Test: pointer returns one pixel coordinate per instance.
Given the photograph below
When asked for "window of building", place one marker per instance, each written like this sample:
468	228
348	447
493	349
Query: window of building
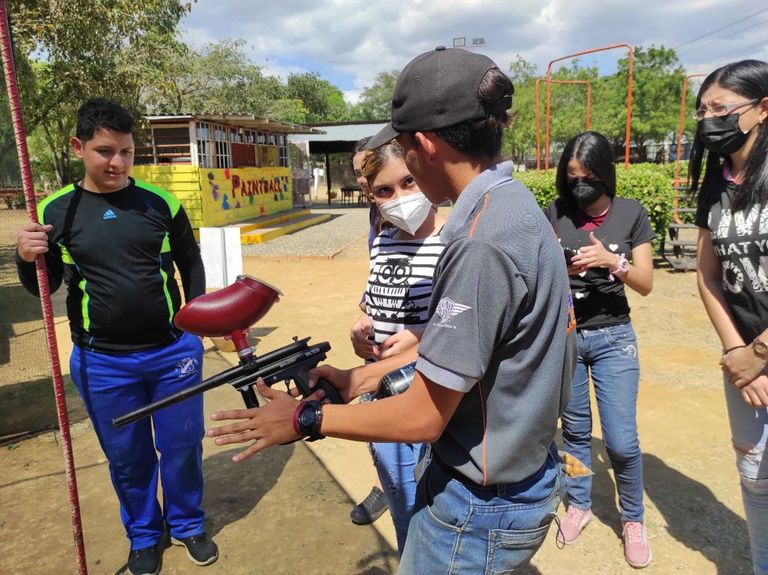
222	151
282	151
204	145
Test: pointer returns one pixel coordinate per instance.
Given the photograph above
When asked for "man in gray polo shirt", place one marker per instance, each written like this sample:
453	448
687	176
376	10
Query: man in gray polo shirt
496	359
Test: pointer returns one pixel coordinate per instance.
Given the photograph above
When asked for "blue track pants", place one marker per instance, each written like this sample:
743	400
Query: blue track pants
114	384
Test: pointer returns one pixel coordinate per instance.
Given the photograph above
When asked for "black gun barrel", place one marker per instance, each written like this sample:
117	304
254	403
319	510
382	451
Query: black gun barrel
210	383
238	376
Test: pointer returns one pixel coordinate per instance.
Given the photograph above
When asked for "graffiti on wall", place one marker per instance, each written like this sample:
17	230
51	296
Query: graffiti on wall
234	195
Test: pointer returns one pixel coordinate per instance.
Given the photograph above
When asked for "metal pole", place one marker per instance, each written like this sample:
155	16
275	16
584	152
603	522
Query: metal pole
629	95
538	126
14	102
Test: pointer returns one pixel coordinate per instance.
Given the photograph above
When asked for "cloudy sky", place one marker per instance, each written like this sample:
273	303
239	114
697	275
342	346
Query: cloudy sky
350	41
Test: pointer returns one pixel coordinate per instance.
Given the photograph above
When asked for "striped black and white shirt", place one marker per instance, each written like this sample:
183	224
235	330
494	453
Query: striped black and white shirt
400	282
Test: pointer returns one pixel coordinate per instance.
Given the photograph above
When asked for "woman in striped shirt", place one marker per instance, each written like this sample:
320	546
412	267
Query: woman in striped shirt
403	259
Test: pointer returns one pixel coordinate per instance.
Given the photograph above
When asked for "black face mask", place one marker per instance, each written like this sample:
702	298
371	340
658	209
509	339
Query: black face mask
722	134
587	192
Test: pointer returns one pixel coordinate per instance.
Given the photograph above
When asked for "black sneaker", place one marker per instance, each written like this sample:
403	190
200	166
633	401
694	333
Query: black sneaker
145	561
370	509
201	549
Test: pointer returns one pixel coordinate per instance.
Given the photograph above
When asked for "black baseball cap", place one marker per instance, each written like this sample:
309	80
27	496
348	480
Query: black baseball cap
436	90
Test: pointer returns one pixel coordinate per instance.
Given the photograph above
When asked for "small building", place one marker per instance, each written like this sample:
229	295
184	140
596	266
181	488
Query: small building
225	168
336	138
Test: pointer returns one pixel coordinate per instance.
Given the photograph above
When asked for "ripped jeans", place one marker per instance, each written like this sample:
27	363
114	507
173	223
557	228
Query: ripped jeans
609	356
749	430
395	463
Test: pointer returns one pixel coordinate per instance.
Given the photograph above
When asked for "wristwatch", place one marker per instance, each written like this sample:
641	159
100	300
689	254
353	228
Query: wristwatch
760	348
308	418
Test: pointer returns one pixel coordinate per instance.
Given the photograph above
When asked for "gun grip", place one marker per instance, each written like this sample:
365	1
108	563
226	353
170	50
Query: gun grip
331	393
249	397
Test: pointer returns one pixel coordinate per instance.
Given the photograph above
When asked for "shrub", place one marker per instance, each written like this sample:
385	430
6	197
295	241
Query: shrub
649	184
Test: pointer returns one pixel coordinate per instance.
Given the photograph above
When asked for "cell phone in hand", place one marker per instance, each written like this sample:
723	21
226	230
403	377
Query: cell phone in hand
569	253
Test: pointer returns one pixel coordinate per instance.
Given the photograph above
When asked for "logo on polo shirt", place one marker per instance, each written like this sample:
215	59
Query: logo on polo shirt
109	215
448	309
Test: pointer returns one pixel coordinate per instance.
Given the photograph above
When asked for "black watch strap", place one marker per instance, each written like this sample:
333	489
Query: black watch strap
310	419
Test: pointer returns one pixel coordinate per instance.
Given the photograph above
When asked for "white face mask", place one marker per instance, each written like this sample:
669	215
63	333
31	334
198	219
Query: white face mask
407	212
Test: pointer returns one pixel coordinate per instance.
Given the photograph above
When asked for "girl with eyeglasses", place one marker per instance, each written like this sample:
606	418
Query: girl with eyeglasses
608	240
732	215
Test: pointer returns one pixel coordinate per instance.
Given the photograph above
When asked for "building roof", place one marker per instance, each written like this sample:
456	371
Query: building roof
338	137
239	120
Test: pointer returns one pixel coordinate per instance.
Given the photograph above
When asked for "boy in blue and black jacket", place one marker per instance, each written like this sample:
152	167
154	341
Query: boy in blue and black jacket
114	241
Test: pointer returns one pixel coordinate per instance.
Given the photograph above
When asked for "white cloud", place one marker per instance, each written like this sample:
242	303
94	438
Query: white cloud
350	41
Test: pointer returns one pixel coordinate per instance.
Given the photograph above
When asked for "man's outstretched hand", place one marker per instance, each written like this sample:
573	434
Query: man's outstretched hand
266	426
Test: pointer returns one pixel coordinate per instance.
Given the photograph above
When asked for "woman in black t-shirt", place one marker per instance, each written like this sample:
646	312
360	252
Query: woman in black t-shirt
732	114
600	234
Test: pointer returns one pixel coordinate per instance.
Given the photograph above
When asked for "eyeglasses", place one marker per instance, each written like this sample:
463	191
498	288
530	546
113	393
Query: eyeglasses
721	109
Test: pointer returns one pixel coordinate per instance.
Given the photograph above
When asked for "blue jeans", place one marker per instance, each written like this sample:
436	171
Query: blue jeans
395	463
749	430
114	384
462	528
609	355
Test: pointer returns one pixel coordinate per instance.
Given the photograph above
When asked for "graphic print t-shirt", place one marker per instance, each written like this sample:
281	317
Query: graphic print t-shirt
740	240
400	282
598	297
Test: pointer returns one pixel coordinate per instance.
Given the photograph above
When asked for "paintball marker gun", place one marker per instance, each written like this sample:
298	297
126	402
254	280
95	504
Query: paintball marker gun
229	312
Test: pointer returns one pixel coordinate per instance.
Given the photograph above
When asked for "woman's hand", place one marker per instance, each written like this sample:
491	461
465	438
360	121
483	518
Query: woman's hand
361	331
595	255
755	393
574	269
399	342
269	425
742	366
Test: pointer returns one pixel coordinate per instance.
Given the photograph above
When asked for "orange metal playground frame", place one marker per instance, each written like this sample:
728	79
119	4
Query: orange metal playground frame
631	51
538	113
676	182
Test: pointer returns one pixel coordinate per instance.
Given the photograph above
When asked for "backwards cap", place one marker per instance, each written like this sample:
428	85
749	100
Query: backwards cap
436	90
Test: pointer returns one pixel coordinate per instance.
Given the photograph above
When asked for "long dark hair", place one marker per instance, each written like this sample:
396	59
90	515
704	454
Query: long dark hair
748	78
593	151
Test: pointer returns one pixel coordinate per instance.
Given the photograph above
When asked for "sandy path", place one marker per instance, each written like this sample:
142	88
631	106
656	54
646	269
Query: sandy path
286	511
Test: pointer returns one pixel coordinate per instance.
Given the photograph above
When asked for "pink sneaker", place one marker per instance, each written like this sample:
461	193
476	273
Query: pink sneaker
574	522
637	551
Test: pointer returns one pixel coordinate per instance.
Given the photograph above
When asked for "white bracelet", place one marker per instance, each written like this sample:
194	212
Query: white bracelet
622	267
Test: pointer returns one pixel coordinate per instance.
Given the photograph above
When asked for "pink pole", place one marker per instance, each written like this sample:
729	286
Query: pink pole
42	278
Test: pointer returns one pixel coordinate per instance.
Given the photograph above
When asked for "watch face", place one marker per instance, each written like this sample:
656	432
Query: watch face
307	417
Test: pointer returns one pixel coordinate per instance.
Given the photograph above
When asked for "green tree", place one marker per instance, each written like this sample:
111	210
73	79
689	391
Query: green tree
376	100
67	51
520	139
656	93
218	80
324	101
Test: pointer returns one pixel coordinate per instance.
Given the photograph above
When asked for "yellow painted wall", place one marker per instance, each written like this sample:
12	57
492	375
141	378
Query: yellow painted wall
216	197
238	194
182	181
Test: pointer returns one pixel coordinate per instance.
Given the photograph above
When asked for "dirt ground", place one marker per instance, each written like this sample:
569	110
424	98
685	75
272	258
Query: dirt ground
287	510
